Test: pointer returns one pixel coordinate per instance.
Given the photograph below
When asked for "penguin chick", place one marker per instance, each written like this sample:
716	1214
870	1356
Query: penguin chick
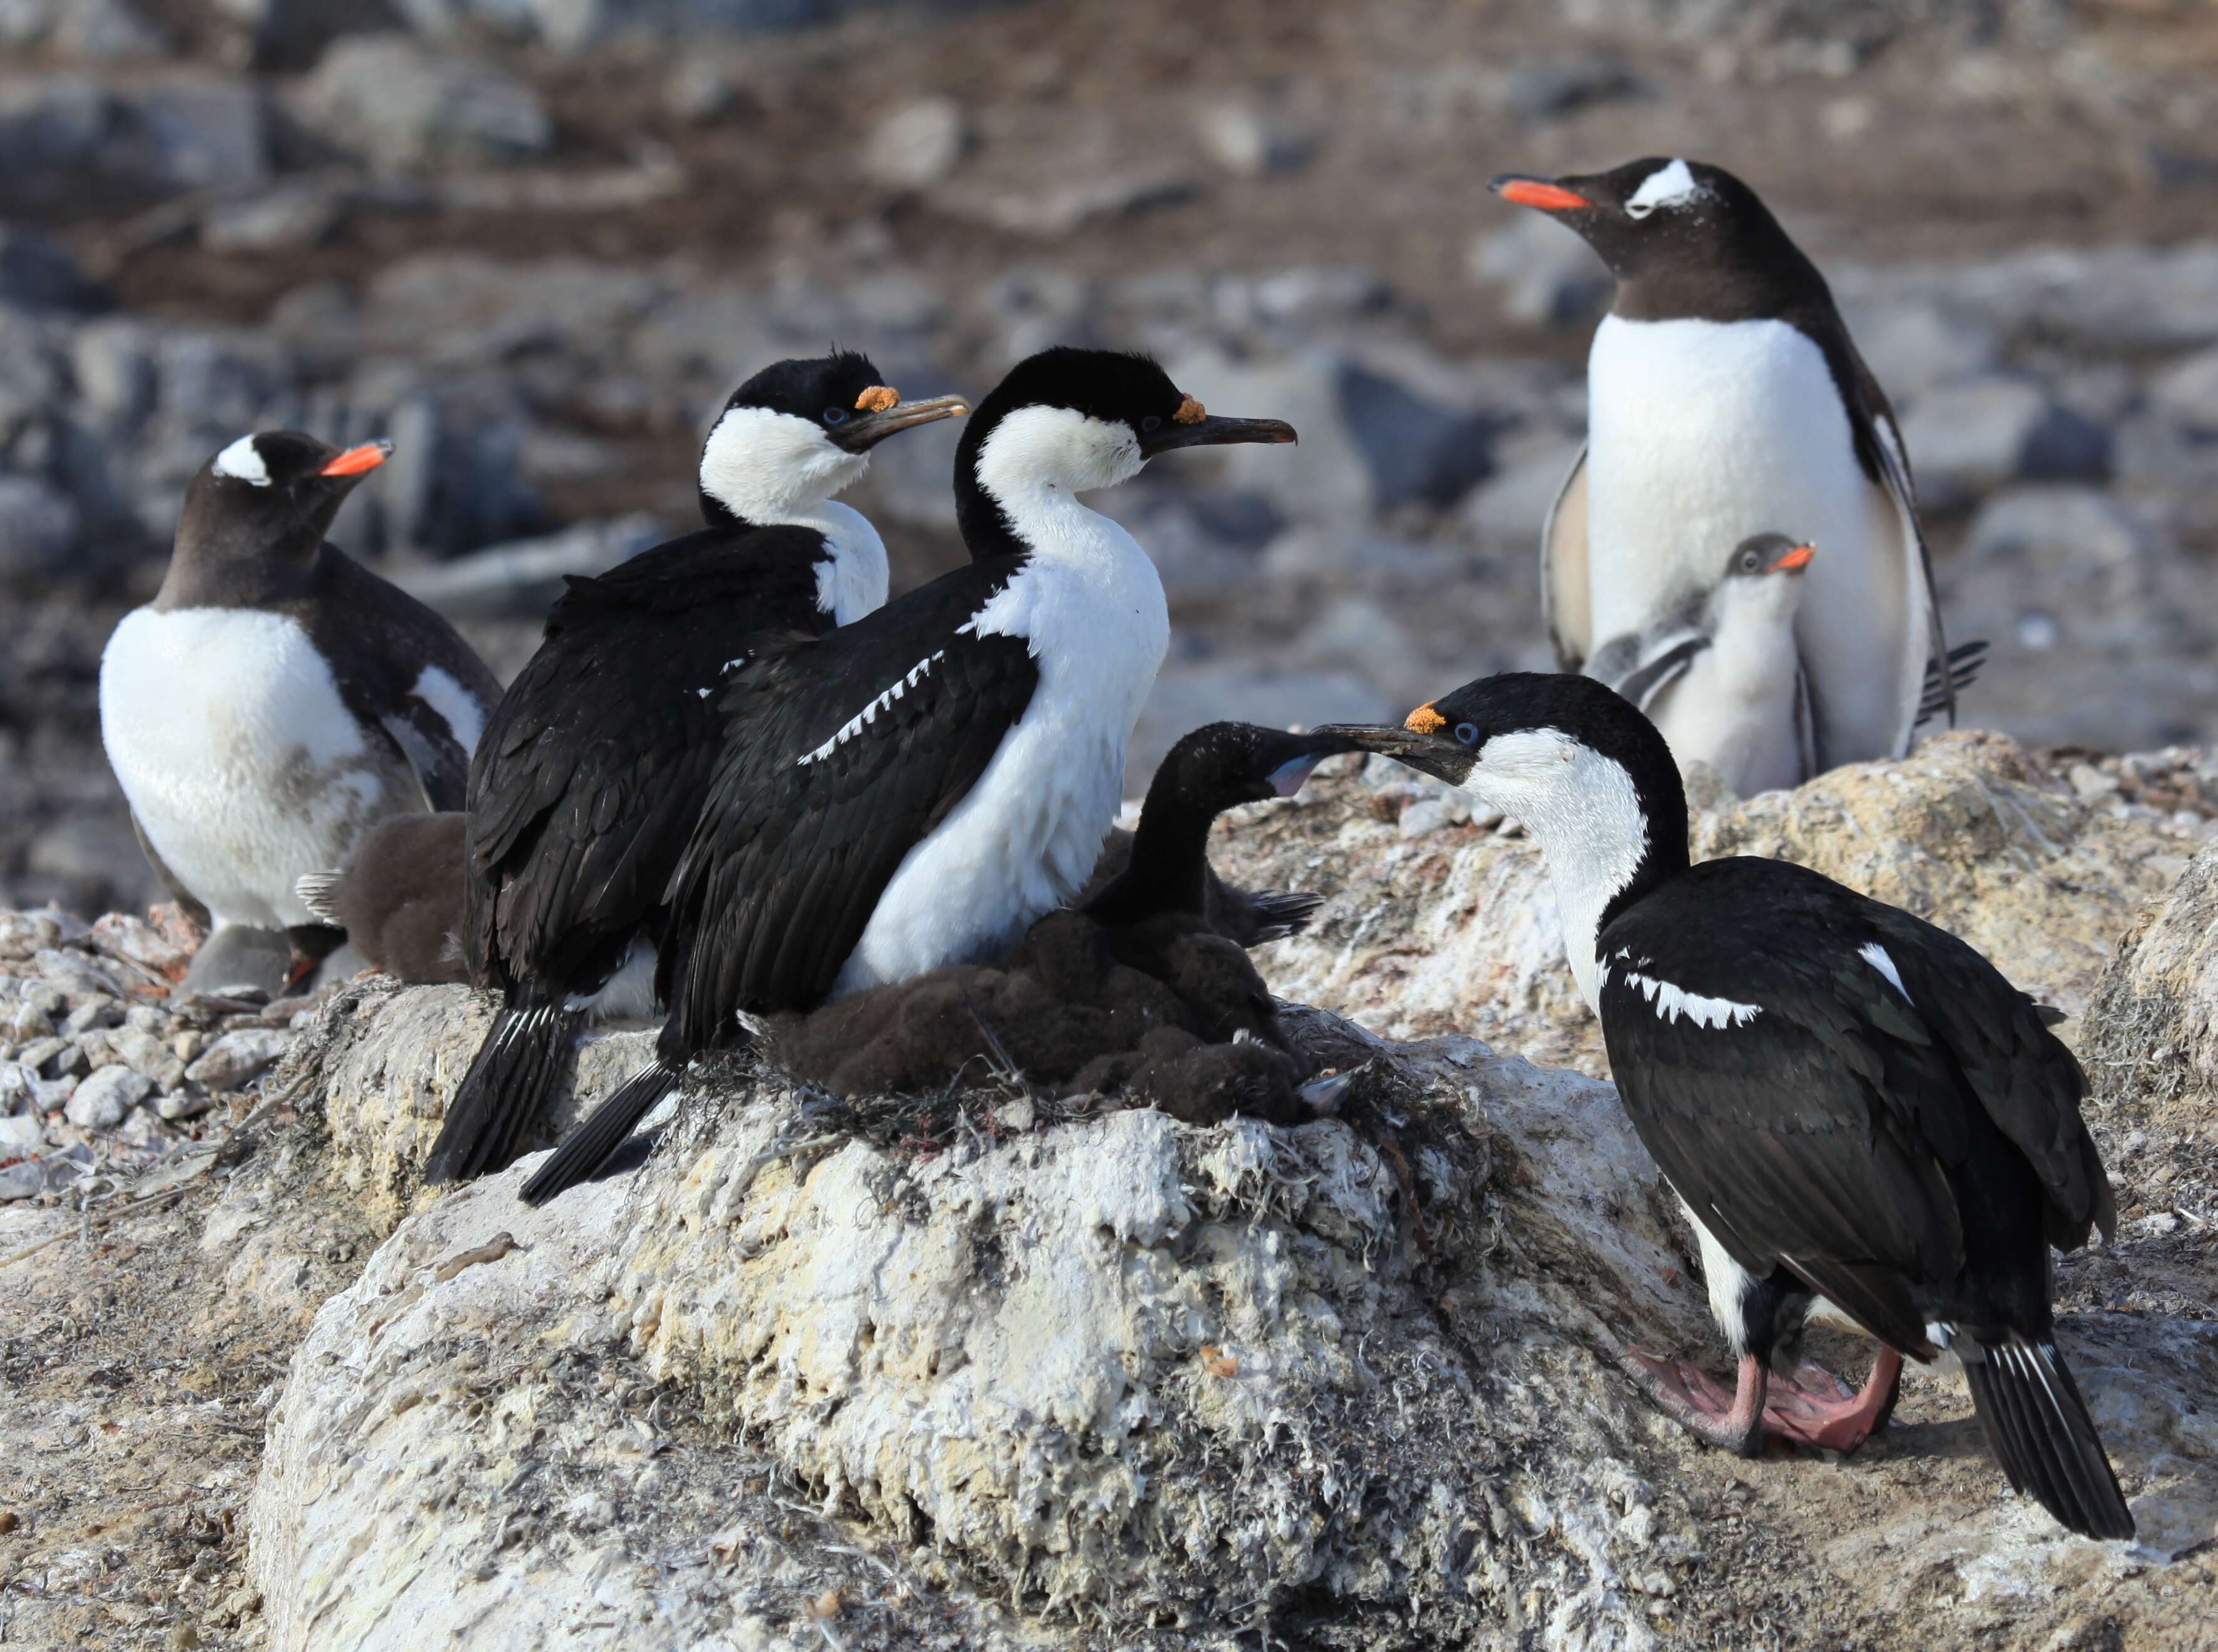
399	899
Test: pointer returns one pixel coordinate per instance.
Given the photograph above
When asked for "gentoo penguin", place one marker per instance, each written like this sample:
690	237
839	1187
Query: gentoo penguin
399	899
1165	869
1862	1117
275	699
598	758
1724	398
1720	676
913	789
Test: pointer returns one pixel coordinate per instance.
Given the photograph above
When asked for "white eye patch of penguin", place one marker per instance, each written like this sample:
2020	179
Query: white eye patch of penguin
242	463
1667	186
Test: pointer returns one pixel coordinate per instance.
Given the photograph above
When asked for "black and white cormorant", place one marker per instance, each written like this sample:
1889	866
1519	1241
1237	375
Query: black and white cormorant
1726	398
1861	1115
597	760
913	789
276	699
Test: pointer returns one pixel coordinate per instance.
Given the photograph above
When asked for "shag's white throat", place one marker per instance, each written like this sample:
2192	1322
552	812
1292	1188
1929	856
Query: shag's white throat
1585	813
775	469
242	463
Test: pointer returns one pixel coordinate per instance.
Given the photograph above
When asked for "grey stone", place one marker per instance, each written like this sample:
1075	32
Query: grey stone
2188	393
286	218
1548	276
700	90
23	1180
290	33
238	1058
199	132
1430	814
101	1101
402	104
38	530
183	1103
17	1079
21	1133
1511	507
1912	346
1967	439
917	147
2079	525
1543	89
521	578
37	272
1417	452
96	1010
1056	210
113	360
1252	142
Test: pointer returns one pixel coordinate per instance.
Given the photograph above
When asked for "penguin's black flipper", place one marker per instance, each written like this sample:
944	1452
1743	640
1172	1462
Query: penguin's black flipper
507	1089
1965	661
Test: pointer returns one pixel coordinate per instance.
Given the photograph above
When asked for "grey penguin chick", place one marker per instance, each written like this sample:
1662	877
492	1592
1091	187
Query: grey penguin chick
399	899
1722	676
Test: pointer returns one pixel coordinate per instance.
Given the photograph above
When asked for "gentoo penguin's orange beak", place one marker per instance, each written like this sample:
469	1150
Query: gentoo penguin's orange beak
1538	192
357	461
1795	560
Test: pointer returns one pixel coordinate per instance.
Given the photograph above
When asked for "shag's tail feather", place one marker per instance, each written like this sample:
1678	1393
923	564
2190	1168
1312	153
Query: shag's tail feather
505	1091
2038	1426
1281	912
316	890
594	1141
1964	662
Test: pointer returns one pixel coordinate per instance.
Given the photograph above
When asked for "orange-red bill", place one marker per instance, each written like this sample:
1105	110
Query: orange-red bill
1798	558
1547	197
354	460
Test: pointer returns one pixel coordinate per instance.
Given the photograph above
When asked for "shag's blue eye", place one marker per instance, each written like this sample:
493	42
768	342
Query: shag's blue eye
1150	423
835	416
1467	733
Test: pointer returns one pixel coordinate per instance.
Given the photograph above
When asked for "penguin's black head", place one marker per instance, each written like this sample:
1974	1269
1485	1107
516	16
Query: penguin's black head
1762	553
275	492
1652	216
799	431
1221	765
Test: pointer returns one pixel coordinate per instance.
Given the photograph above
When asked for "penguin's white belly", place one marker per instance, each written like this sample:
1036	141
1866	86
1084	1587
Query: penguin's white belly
1702	433
245	767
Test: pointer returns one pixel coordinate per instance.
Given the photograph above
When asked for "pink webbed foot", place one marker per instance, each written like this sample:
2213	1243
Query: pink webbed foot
1731	1420
1815	1407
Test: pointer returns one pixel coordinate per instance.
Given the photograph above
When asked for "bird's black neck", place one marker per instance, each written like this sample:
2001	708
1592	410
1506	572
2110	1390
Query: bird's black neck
1169	870
717	514
986	530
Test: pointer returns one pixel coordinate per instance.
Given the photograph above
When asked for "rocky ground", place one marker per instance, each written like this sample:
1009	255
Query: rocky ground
536	242
900	1372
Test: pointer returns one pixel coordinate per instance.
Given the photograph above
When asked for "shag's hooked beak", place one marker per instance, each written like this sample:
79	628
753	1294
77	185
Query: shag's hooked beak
358	460
866	429
1795	560
1543	194
1211	431
1441	756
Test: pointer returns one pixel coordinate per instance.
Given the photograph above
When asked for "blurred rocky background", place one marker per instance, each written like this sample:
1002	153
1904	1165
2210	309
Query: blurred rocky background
535	242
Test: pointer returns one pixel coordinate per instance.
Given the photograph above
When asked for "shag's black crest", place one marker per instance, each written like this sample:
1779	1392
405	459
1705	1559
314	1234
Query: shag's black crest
1104	383
806	386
